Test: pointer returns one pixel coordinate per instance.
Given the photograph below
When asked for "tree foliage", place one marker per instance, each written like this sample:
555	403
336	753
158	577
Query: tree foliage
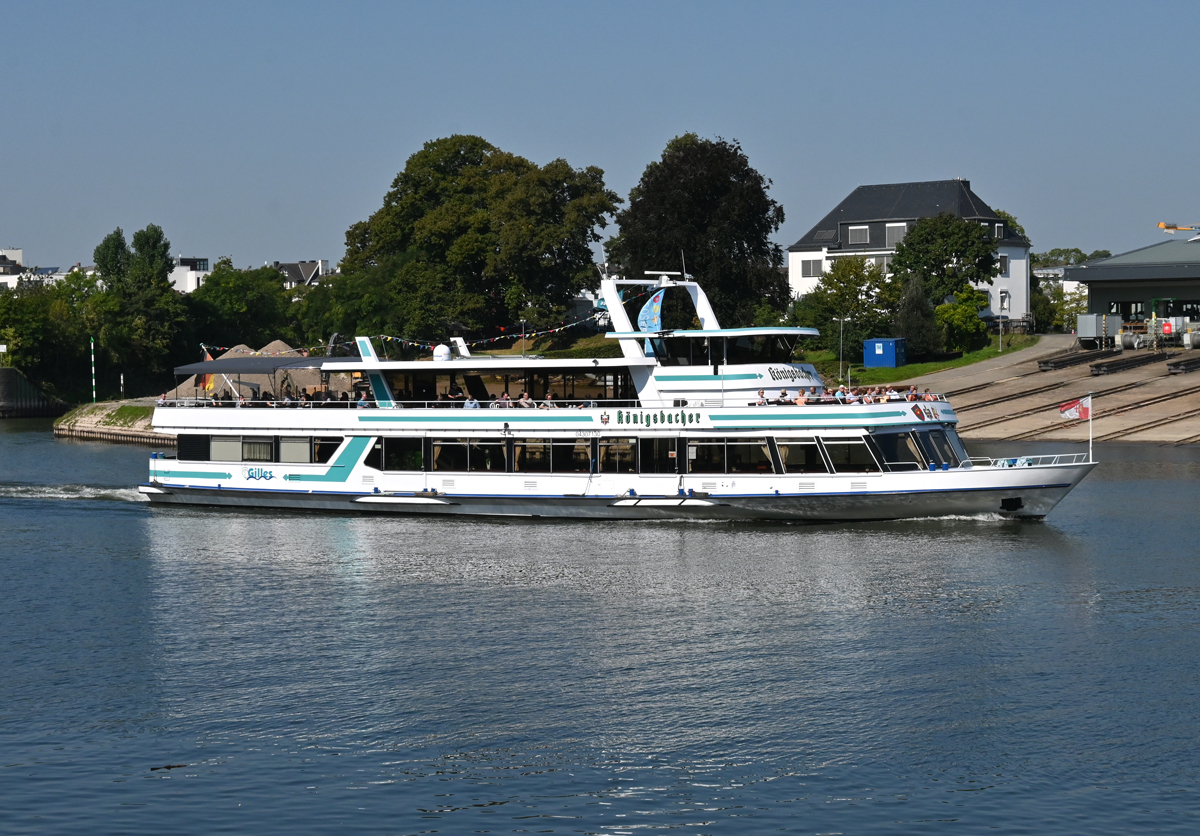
960	322
704	202
855	290
242	306
494	236
949	253
1065	257
916	320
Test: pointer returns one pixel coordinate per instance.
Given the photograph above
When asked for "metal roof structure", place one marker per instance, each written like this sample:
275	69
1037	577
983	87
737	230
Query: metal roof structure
1167	260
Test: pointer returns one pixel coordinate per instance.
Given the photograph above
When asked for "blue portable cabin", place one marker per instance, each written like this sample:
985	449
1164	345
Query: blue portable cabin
885	353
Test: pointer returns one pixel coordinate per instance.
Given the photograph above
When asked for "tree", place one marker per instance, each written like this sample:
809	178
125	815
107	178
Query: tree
916	320
1012	222
703	202
241	306
855	290
1065	257
504	237
960	321
949	253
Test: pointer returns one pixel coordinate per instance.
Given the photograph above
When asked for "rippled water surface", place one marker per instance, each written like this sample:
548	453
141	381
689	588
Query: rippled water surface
192	672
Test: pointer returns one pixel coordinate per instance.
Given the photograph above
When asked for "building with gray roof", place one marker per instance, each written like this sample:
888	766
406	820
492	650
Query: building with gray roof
1161	279
872	220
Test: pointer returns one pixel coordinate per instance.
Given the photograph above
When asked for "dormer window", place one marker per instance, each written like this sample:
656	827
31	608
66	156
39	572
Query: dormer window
894	234
860	235
999	230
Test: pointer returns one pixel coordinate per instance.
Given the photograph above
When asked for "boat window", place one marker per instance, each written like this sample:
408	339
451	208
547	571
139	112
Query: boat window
657	455
571	455
943	447
374	457
226	448
801	455
258	449
748	455
192	448
324	448
768	348
402	454
532	455
706	455
900	451
487	455
850	455
450	454
295	450
618	455
957	444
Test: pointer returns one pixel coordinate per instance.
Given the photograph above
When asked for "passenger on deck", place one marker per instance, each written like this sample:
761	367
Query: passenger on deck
505	400
784	399
549	402
812	397
912	394
470	402
762	398
840	394
362	401
929	396
892	394
526	402
162	399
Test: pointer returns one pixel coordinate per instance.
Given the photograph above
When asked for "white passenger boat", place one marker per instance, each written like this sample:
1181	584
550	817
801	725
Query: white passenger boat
671	429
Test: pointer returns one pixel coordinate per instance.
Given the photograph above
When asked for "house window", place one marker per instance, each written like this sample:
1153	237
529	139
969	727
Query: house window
860	235
894	234
999	230
1005	301
1003	265
810	269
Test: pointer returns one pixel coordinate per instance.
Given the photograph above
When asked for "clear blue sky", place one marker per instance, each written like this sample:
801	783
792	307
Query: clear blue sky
263	130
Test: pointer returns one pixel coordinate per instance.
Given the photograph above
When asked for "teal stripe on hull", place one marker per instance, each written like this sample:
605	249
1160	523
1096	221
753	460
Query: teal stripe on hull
339	471
693	377
187	474
476	419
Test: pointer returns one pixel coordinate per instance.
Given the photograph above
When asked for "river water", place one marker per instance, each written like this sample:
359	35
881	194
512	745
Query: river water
197	672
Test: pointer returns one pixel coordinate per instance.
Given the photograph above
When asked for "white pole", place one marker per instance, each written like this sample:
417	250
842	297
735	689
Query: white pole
1090	427
93	339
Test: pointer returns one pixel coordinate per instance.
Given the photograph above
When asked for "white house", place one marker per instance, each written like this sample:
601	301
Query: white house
872	220
189	273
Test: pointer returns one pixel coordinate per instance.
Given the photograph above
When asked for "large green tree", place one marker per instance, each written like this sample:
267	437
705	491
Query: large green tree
949	253
502	237
241	306
1066	256
916	320
857	291
704	203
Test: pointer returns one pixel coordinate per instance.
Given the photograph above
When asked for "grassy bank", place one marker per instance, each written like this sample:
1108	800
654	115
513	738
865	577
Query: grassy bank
827	363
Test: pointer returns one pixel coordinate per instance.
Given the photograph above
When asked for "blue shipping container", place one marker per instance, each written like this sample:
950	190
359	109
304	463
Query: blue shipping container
885	354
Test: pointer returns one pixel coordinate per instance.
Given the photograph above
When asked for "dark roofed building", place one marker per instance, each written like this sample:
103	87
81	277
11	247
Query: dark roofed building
302	272
1161	279
872	220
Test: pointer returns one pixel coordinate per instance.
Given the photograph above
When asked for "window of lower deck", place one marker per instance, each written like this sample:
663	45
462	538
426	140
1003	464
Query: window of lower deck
618	455
849	455
657	455
192	448
571	455
295	450
476	455
943	447
226	448
324	448
801	455
729	455
900	451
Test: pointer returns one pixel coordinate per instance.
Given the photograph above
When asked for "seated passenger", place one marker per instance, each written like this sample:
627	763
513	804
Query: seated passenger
505	401
892	394
929	396
912	394
526	402
549	402
470	402
812	397
162	400
762	398
840	394
783	399
362	401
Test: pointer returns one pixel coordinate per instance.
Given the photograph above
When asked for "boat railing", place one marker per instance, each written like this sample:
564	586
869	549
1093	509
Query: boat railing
461	403
1030	461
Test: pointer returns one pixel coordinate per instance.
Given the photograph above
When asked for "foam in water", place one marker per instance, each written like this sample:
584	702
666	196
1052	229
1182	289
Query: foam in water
111	494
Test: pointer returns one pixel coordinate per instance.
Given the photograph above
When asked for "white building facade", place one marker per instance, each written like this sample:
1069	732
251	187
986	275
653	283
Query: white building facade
873	220
189	273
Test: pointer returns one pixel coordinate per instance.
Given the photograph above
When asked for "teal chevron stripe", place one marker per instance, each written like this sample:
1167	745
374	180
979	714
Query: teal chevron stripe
339	471
476	419
696	377
188	474
857	417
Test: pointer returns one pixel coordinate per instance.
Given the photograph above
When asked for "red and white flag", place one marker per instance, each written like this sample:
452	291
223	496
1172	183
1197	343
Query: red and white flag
1080	410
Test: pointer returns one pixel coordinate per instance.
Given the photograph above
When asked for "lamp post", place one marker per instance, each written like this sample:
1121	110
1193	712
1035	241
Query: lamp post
522	339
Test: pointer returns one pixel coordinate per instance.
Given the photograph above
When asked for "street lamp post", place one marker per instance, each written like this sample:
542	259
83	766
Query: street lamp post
841	333
522	339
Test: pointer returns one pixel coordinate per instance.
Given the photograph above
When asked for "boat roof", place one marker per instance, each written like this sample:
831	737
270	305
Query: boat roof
716	332
250	364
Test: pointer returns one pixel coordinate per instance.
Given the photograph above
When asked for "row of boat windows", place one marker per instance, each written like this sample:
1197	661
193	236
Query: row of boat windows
883	451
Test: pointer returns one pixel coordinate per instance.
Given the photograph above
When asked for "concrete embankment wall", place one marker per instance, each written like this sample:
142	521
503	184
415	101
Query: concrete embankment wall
21	399
124	422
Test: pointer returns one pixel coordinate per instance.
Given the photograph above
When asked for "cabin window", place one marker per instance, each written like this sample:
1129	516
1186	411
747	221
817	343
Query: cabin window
657	455
850	455
324	448
943	447
759	349
258	449
748	455
295	450
532	455
226	448
403	454
618	455
571	455
900	451
706	455
192	448
450	454
488	455
801	455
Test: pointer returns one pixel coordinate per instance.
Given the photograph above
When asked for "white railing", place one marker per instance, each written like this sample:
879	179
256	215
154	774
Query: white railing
1030	461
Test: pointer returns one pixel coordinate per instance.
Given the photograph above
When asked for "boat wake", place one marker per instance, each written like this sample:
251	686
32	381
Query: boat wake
109	494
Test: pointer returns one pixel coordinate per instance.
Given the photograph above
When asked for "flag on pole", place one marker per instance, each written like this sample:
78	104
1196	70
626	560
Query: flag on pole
205	381
1079	409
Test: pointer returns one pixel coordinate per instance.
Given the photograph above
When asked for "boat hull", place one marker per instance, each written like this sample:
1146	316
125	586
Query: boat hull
1015	493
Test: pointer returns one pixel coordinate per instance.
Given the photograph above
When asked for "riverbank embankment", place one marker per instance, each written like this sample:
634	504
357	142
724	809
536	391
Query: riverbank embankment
1013	399
123	422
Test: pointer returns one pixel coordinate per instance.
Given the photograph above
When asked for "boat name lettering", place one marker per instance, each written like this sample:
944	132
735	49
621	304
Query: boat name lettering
650	418
257	473
788	373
